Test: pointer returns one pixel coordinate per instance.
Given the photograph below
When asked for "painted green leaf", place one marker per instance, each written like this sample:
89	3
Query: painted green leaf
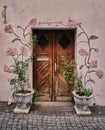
91	80
19	27
81	66
15	39
93	37
80	34
82	42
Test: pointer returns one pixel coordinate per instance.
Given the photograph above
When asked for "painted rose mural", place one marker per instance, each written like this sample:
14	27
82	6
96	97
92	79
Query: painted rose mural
90	66
21	57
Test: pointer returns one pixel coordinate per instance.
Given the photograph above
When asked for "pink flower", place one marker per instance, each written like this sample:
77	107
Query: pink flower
72	23
93	64
12	51
83	52
7	69
99	73
8	29
24	50
33	22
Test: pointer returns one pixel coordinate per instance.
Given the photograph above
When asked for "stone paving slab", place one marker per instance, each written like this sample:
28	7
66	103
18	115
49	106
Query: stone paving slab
44	119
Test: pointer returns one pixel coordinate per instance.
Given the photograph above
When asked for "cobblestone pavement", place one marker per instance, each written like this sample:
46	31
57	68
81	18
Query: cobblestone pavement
42	118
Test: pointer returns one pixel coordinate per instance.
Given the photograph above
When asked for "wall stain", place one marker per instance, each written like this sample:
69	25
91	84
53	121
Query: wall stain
4	14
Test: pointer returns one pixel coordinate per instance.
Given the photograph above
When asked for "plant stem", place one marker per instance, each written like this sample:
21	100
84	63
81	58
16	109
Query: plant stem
16	35
87	57
24	35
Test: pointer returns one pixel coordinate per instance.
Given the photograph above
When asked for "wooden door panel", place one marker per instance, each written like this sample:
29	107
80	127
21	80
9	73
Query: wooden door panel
47	75
42	66
62	87
42	77
42	80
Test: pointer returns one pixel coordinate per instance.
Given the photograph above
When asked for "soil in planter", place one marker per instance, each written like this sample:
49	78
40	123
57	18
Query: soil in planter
87	93
23	92
80	93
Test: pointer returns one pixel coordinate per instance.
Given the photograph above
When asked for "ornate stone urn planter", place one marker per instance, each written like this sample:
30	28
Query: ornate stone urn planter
23	101
82	103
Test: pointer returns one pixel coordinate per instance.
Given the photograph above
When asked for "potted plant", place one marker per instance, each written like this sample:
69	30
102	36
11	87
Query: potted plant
82	95
23	93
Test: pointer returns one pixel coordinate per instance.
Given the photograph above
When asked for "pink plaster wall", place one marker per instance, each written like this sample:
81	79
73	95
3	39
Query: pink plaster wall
89	13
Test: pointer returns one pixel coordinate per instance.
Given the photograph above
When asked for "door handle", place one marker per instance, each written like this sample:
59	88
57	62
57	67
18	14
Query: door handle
55	67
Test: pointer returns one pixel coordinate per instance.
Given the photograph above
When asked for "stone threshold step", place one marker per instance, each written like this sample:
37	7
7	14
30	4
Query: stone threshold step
54	106
54	103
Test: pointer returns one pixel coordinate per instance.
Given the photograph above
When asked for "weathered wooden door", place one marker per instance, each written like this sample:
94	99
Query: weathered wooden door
47	66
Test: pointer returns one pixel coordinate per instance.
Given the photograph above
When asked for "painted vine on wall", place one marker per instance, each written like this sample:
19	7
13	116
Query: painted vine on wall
21	58
90	66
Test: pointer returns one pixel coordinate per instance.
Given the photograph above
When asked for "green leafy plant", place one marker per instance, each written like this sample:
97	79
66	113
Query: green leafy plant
69	71
88	92
71	75
35	96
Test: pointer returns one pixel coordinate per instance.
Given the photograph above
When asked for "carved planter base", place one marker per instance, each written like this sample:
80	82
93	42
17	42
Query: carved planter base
23	101
82	103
